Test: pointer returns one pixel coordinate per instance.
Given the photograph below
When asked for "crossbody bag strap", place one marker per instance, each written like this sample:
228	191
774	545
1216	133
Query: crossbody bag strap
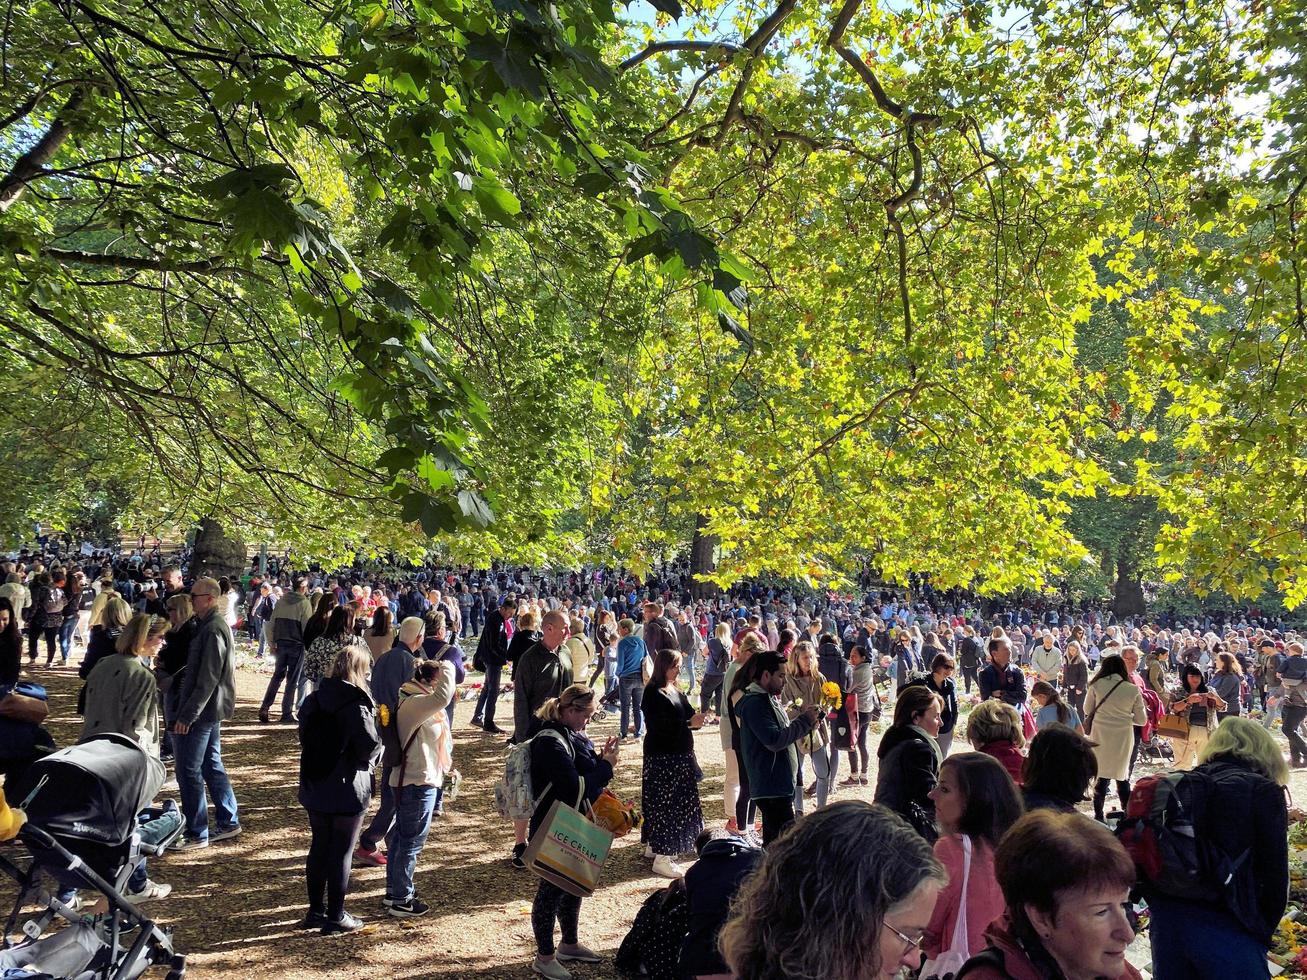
961	942
403	753
1090	717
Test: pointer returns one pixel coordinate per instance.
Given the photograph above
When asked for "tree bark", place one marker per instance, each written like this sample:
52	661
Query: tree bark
30	164
1128	592
703	559
217	553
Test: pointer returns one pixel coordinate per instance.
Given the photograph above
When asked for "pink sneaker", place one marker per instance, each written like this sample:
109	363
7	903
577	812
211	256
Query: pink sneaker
373	858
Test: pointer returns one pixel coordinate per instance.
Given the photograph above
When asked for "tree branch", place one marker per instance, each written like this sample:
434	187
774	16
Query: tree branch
29	166
659	47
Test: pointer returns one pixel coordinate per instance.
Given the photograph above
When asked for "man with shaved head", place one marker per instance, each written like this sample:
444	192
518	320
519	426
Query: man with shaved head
541	674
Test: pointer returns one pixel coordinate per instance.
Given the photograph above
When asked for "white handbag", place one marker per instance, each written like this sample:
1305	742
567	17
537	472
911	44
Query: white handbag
950	960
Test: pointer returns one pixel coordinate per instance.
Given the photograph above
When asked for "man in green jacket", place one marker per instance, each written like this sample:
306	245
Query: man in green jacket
767	740
208	698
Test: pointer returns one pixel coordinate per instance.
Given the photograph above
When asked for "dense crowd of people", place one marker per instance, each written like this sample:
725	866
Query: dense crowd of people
978	859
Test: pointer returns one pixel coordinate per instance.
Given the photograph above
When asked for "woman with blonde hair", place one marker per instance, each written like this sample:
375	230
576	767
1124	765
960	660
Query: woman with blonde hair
995	729
339	747
104	638
714	671
1226	931
867	879
564	761
121	693
803	684
525	635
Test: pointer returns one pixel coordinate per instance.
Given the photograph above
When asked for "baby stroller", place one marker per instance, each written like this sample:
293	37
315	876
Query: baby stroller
1156	749
85	828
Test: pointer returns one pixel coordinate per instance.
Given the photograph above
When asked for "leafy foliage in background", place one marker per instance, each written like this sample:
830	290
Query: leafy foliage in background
944	285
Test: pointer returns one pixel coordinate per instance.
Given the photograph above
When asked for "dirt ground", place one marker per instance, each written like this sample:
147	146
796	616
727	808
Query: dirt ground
234	904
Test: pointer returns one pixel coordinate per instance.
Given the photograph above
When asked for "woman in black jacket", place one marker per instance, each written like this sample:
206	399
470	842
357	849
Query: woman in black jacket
339	747
104	638
564	760
1226	927
909	759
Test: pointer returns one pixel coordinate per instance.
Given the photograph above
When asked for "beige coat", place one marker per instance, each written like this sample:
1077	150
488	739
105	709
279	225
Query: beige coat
1114	716
429	757
807	690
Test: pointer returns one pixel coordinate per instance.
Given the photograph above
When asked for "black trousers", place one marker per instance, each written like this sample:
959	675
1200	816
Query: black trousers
289	661
330	851
858	756
777	814
34	634
551	905
1100	794
1291	716
971	675
711	690
745	806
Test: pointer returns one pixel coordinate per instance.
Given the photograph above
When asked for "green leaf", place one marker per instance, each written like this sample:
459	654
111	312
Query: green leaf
497	201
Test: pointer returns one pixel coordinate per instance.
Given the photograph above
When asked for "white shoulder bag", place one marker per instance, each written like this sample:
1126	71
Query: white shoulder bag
950	960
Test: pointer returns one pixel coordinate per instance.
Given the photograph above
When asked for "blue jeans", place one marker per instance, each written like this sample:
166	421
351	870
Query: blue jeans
1191	943
631	687
413	806
199	765
484	712
66	632
259	631
691	662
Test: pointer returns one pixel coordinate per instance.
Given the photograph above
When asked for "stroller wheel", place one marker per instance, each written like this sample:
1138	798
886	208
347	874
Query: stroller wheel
175	974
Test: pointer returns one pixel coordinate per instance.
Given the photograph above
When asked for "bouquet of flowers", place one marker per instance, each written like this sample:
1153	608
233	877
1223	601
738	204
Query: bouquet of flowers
831	696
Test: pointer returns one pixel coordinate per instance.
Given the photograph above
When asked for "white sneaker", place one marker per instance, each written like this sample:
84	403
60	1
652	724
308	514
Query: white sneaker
150	891
551	969
665	866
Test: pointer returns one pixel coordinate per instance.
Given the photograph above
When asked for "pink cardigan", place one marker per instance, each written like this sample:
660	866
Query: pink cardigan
984	899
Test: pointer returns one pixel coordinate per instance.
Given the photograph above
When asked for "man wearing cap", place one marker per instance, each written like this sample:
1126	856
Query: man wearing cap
208	698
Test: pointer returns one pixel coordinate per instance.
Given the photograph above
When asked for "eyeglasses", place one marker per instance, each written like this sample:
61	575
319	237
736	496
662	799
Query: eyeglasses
908	942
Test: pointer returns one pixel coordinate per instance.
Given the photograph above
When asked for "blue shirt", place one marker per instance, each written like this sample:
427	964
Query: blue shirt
1047	715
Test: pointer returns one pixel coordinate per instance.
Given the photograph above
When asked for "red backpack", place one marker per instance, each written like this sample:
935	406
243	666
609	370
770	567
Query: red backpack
1161	833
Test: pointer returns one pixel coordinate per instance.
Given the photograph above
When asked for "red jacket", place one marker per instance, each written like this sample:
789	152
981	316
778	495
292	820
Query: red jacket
1008	754
1018	962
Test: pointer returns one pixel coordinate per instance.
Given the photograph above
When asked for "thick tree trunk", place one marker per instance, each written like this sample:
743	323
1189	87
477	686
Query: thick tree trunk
1128	592
216	553
703	559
